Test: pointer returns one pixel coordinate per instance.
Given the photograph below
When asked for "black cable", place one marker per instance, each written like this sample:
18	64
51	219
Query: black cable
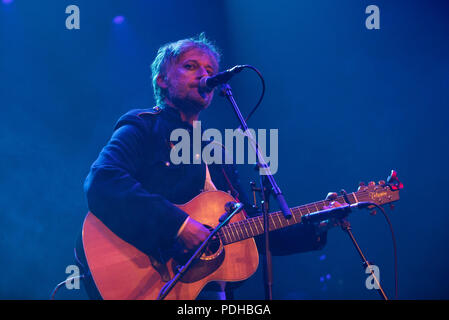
261	95
53	293
394	248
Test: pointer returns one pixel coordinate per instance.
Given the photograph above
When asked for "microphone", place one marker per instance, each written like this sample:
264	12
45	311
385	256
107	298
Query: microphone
336	212
207	84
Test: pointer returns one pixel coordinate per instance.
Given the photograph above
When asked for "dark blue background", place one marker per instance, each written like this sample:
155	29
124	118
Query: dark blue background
350	105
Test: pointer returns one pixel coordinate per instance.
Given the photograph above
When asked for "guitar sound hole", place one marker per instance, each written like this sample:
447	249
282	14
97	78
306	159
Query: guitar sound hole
213	249
209	261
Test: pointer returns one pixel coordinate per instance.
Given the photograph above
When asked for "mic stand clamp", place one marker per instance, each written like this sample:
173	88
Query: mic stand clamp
237	207
254	189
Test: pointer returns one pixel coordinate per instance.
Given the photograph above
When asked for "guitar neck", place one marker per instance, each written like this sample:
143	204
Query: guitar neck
252	227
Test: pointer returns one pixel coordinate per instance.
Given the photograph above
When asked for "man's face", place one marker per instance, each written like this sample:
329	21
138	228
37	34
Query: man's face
183	77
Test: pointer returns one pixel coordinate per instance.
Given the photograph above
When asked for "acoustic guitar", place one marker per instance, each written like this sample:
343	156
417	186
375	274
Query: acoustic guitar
122	272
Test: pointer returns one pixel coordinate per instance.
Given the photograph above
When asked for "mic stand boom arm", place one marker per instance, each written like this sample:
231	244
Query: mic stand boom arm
227	92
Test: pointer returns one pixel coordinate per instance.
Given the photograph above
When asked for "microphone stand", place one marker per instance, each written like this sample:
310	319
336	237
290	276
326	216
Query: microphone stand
340	214
227	92
346	226
182	270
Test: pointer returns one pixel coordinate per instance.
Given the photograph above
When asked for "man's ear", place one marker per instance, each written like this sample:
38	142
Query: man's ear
162	81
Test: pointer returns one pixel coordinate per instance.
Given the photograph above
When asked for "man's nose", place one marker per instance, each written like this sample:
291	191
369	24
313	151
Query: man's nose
202	72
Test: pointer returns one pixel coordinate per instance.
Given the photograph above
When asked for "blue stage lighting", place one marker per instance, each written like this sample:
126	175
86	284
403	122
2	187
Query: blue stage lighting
119	19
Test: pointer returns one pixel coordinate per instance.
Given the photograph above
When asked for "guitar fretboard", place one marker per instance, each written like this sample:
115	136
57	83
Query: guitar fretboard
251	227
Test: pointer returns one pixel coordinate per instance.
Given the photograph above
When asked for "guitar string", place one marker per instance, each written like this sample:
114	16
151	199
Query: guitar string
243	225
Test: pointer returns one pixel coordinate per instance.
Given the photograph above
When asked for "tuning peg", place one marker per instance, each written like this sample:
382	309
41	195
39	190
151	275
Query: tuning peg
371	183
361	184
331	196
394	182
381	182
393	176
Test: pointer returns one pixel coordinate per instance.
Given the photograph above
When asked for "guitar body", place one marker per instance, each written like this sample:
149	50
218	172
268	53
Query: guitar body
122	272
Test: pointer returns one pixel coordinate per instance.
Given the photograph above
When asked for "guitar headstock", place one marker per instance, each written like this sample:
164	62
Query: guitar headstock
382	192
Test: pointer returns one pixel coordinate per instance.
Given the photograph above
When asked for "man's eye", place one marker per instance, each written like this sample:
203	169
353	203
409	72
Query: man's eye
189	66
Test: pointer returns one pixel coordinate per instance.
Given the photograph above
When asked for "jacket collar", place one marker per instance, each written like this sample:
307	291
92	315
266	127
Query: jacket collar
173	115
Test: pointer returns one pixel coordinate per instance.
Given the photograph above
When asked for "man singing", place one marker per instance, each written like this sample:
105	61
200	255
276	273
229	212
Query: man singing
132	186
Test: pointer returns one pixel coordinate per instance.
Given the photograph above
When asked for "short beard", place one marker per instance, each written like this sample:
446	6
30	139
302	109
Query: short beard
189	107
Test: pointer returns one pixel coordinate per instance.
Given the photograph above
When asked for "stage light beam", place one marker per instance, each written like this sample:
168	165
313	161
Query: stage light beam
118	19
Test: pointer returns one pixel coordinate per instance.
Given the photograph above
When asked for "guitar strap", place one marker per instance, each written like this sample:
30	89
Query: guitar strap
208	184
